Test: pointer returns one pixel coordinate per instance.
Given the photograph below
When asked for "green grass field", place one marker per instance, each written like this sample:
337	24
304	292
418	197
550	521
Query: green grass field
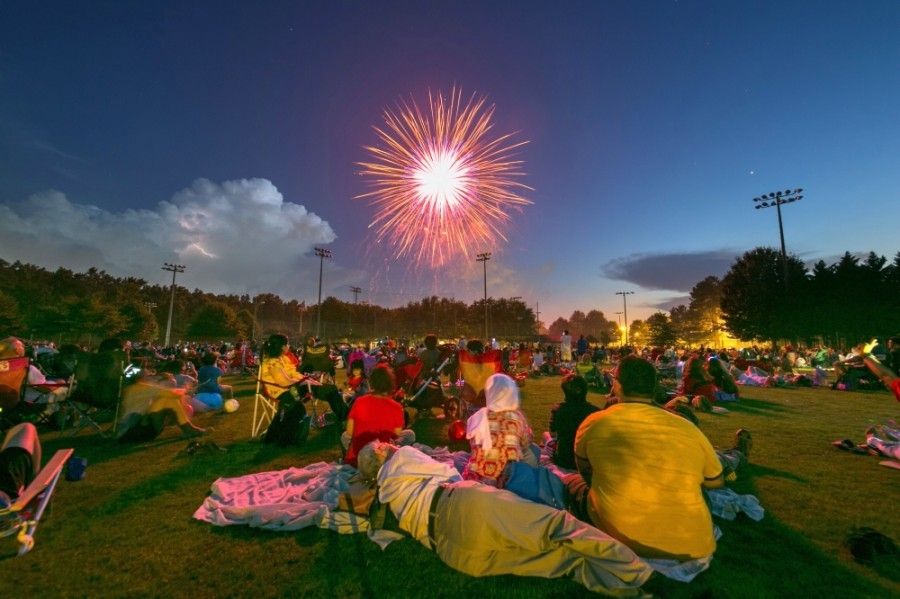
126	530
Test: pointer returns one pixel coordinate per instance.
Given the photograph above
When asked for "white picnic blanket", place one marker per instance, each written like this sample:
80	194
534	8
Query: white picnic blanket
283	500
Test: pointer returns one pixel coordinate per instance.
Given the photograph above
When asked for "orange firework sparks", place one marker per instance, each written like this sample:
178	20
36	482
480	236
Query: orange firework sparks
443	187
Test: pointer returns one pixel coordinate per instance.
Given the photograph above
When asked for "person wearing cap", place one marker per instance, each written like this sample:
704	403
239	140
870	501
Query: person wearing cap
651	500
498	433
480	530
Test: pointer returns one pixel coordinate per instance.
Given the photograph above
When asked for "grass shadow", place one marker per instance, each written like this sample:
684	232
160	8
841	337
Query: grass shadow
756	405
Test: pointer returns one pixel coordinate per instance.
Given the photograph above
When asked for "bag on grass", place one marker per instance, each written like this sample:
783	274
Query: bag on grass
290	425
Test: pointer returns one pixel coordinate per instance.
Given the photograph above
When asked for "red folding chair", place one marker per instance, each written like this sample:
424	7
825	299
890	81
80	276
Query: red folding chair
22	517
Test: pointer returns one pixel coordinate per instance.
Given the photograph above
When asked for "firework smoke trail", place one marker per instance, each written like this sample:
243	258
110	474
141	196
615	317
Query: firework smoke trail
443	187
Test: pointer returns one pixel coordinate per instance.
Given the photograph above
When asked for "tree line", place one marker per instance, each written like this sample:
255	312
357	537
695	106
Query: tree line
764	298
760	298
63	305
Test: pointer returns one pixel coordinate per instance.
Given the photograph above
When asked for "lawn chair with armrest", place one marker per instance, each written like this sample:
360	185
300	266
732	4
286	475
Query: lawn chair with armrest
22	517
97	389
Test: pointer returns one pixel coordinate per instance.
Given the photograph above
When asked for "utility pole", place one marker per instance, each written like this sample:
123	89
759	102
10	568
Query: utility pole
624	295
619	320
776	199
322	254
174	269
483	258
537	317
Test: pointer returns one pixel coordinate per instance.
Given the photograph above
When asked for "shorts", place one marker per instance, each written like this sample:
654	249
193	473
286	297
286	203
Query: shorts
16	470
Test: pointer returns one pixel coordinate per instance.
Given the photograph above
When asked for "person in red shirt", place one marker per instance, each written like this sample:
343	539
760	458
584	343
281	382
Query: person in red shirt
376	416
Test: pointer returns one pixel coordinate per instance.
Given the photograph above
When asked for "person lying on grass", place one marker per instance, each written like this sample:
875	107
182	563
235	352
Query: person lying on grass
480	530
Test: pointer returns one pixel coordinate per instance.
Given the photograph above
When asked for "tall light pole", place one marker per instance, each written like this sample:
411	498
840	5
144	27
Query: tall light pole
174	269
776	199
356	291
483	258
516	298
624	295
256	303
322	254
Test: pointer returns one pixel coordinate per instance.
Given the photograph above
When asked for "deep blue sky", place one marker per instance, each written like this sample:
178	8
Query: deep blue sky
652	125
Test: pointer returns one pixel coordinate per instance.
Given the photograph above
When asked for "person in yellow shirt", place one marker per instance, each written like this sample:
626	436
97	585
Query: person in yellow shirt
649	499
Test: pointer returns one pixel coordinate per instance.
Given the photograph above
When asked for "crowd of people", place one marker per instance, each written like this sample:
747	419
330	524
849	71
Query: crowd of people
588	498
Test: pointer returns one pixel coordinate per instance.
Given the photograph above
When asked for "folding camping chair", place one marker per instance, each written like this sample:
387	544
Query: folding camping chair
22	517
264	406
475	370
96	391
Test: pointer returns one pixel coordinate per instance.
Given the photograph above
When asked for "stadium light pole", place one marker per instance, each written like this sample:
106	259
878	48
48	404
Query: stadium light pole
322	254
776	199
174	269
625	295
256	303
356	291
483	258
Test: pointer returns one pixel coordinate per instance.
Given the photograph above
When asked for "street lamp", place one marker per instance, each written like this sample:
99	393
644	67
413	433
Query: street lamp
322	254
624	295
174	269
483	258
776	199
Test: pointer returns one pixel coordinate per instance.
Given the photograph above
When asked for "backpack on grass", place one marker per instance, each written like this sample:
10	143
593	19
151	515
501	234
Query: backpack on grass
290	425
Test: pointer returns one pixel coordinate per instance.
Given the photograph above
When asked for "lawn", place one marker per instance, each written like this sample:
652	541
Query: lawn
126	530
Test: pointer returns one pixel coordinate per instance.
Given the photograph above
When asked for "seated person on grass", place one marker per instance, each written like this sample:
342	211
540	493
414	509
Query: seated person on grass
649	499
696	381
20	461
147	407
498	433
208	377
376	416
566	417
483	531
726	388
887	376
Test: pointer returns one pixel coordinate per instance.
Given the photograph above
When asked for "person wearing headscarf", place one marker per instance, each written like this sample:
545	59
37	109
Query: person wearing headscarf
498	433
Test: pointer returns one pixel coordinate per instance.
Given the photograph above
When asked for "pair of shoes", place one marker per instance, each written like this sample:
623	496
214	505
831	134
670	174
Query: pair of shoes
743	442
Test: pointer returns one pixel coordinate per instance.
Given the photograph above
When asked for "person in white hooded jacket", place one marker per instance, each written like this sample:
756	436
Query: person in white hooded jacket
498	433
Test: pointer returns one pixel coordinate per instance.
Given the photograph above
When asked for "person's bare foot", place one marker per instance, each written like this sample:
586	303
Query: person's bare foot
743	442
189	431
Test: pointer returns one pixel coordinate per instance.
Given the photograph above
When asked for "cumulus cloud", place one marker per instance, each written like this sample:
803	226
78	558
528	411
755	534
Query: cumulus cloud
238	236
675	271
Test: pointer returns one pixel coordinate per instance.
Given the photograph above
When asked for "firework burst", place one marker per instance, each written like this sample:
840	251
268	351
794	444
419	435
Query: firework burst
442	185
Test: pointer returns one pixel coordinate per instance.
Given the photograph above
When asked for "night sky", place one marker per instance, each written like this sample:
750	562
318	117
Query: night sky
223	135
